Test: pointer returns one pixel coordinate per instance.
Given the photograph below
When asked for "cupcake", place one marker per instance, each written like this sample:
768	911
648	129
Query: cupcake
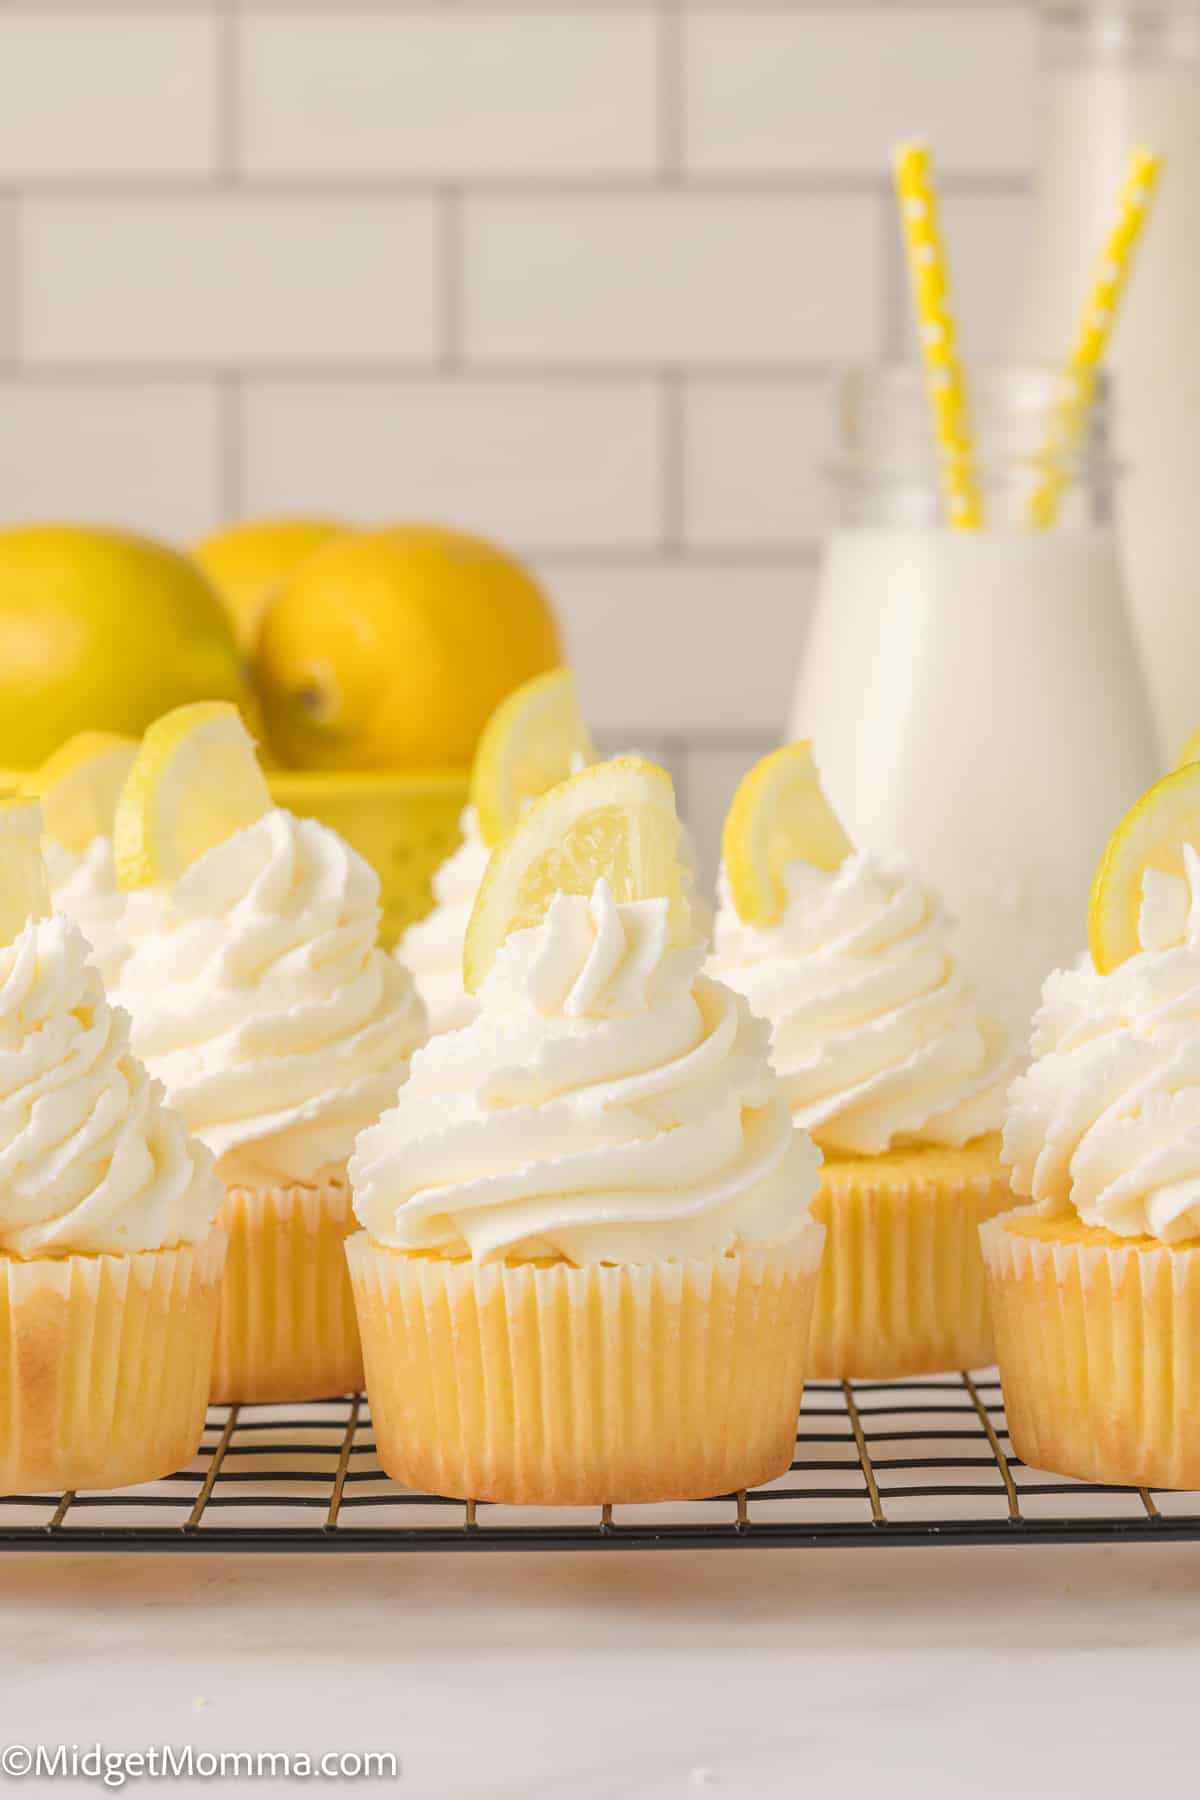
110	1261
1095	1286
279	1030
884	1060
587	1262
77	789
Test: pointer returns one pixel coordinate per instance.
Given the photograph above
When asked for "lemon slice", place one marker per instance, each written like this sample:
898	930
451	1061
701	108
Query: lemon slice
24	890
615	819
79	784
1150	836
195	781
532	741
779	816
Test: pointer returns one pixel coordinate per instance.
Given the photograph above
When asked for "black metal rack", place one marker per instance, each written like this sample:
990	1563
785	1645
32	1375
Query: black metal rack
908	1462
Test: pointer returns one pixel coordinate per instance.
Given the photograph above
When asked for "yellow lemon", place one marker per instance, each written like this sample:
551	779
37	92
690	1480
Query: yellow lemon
101	630
195	781
79	784
779	816
391	648
24	890
615	819
533	740
1150	836
249	561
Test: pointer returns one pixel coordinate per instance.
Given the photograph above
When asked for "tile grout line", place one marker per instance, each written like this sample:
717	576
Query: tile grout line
228	73
449	276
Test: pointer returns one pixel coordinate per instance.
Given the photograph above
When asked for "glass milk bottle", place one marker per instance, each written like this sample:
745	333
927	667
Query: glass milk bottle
1116	73
974	698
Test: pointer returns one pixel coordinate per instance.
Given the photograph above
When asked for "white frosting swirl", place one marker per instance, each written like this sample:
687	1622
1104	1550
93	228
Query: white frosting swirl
1106	1120
91	1160
433	947
608	1104
263	1004
83	884
875	1034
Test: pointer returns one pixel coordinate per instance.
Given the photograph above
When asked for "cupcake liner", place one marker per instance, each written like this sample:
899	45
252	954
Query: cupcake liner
287	1329
902	1288
104	1365
552	1385
1099	1348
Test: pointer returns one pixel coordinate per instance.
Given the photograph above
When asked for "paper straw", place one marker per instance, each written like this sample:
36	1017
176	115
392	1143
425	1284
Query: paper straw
1109	280
935	321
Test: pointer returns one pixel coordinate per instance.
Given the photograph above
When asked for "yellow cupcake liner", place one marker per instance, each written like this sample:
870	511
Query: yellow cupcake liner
1099	1347
902	1289
104	1365
287	1329
545	1384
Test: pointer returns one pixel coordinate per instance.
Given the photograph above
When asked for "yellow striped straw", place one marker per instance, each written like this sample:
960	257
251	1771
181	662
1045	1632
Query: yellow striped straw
1109	280
931	299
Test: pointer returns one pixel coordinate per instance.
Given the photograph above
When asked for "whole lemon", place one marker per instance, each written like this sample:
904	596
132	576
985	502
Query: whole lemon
390	648
249	561
102	630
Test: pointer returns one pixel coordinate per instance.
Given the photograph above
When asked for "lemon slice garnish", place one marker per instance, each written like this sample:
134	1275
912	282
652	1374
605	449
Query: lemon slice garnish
532	741
194	782
24	890
78	786
779	816
617	820
1150	836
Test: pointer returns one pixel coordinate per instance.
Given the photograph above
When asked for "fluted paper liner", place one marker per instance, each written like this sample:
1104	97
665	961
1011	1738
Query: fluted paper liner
552	1385
1099	1348
104	1365
902	1288
287	1329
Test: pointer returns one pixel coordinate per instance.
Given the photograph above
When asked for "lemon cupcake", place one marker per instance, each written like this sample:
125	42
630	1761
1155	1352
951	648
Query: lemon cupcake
110	1262
587	1264
884	1059
278	1028
77	788
1095	1287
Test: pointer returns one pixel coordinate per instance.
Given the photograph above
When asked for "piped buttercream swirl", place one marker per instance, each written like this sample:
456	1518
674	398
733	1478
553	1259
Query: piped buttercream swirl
1106	1120
433	947
83	884
875	1033
91	1160
264	1005
609	1103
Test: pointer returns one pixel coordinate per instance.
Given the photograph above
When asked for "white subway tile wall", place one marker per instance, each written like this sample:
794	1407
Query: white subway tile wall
572	272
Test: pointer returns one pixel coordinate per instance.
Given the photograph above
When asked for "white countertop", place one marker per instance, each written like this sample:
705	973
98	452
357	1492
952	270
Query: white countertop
1046	1672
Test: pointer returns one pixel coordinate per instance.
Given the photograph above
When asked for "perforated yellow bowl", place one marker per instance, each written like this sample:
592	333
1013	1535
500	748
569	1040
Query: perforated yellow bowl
404	823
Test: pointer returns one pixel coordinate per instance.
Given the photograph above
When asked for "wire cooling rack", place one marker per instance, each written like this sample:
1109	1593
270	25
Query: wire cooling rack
906	1462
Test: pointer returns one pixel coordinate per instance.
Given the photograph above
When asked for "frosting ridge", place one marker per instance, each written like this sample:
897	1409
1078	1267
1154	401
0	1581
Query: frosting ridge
91	1160
609	1103
265	1006
1106	1120
875	1034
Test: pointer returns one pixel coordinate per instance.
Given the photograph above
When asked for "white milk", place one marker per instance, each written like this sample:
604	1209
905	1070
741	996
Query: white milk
974	701
1100	96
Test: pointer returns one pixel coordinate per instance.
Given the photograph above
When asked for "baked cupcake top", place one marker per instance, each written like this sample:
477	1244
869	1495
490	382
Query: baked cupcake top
875	1033
433	948
91	1159
1106	1120
83	884
608	1104
264	1005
